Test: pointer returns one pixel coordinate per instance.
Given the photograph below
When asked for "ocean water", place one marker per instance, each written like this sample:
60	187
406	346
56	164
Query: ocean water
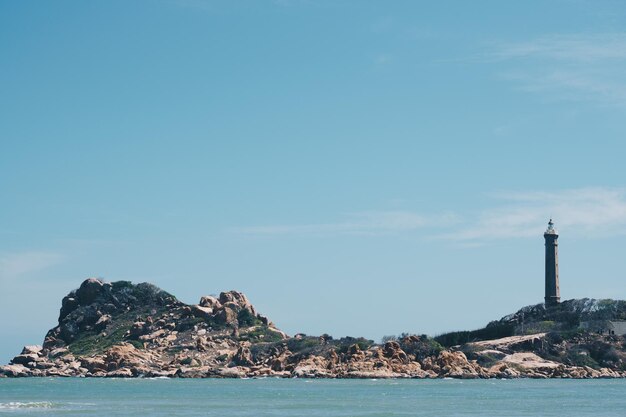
300	397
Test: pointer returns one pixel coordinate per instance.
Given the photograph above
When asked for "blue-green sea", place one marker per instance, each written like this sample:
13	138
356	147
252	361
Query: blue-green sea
300	397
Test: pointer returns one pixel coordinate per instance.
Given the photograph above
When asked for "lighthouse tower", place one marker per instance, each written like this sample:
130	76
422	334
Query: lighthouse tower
553	295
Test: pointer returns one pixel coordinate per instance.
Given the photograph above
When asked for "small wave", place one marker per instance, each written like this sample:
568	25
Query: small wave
20	405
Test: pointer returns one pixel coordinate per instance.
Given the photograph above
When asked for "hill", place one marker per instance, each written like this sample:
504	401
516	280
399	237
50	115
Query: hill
567	316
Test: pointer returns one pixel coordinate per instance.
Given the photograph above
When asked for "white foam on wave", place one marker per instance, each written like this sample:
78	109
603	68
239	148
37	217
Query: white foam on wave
19	405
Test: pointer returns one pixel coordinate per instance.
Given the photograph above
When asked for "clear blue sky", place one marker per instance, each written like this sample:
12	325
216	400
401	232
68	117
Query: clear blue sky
355	167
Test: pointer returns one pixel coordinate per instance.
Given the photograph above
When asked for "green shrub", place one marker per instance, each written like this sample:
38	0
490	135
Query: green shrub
603	352
544	326
94	343
494	330
118	285
261	334
579	359
420	347
188	323
247	319
136	343
297	345
342	345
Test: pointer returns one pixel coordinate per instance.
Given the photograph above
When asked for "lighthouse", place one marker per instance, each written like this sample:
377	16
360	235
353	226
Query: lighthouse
551	236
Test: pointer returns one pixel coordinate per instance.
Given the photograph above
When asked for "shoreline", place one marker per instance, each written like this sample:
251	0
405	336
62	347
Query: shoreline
125	330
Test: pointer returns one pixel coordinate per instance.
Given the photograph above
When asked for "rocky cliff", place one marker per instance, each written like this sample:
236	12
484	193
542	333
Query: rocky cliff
124	330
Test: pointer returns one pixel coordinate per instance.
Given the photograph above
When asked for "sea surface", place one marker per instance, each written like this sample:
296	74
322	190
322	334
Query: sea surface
303	397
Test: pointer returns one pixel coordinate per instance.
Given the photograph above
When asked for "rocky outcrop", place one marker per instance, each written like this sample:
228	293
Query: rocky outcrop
243	357
124	330
551	355
456	365
92	307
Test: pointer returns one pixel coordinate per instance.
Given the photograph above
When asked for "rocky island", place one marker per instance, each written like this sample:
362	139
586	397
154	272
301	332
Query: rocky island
119	329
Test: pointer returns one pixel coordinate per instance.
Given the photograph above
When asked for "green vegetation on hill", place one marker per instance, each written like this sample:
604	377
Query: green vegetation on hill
580	348
419	346
494	330
261	334
564	317
91	342
123	330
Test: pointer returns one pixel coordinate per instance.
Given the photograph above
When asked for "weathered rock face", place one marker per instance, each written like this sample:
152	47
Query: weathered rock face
96	303
89	290
123	330
393	351
210	302
243	357
456	365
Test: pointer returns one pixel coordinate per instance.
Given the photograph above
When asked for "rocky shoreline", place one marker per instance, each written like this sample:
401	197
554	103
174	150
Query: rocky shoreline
123	330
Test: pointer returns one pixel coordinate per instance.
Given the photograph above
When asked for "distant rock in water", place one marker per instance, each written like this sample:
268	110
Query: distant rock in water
119	329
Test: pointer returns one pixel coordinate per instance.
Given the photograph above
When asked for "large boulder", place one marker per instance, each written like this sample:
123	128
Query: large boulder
238	299
68	304
456	365
201	311
211	302
354	353
226	316
25	359
94	364
138	328
120	373
15	371
126	355
32	349
243	357
89	290
312	367
393	351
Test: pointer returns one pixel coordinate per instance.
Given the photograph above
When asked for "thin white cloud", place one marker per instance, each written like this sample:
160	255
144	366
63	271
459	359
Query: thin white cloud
372	222
573	85
572	48
590	67
584	211
591	212
16	265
